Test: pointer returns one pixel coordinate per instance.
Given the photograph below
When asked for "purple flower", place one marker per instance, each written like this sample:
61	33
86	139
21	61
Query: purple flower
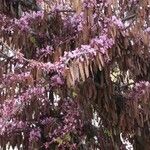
35	135
117	22
56	80
147	30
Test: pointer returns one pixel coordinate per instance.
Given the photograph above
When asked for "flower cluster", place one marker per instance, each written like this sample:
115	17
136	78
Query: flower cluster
47	120
12	126
70	124
47	67
102	42
24	22
78	53
77	21
56	80
140	86
11	106
35	135
117	22
59	7
99	44
140	89
147	30
89	3
15	78
40	100
47	50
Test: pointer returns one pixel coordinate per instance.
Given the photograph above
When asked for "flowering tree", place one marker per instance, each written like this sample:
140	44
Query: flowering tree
74	74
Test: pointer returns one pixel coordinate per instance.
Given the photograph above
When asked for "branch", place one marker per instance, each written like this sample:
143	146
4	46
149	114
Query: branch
129	17
62	11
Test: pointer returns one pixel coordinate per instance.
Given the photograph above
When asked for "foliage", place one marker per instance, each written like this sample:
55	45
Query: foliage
66	65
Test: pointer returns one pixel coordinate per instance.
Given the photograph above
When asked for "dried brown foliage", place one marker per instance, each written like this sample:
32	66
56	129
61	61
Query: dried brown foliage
105	88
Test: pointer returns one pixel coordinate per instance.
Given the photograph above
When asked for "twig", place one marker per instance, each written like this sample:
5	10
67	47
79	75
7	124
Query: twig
128	17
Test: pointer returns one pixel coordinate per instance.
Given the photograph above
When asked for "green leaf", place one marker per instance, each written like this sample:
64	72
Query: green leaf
33	40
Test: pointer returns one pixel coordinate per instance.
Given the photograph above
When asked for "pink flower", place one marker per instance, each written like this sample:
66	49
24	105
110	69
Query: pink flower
117	22
27	18
56	80
35	135
147	30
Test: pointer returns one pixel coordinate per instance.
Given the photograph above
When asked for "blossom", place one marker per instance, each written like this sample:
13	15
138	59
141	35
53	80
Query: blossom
15	105
117	22
88	4
35	135
15	78
56	80
47	50
139	89
147	30
26	19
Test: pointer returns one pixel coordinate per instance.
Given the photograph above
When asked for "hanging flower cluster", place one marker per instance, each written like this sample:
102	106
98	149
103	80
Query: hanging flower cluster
26	19
140	89
15	105
35	135
16	78
71	124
